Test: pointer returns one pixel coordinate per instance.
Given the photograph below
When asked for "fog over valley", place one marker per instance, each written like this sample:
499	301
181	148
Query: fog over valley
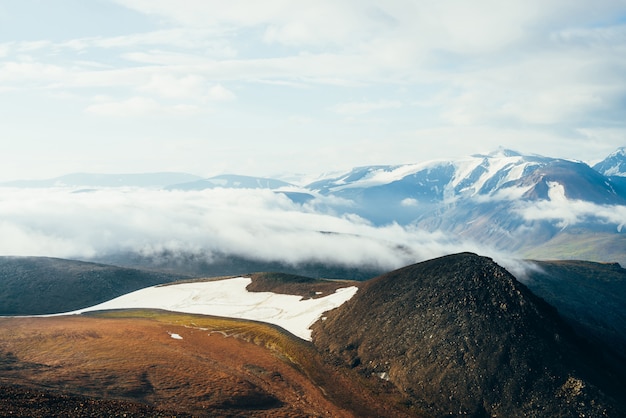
260	224
503	204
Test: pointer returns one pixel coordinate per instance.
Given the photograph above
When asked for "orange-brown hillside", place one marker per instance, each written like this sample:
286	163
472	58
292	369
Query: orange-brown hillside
149	363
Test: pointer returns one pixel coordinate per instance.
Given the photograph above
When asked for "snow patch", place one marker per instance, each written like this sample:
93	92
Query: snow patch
383	375
230	298
614	171
556	192
386	175
175	336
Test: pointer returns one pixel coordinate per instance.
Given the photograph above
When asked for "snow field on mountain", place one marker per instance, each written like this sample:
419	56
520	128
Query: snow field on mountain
230	298
465	167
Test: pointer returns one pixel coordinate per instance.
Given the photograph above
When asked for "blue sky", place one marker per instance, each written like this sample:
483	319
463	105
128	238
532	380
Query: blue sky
275	87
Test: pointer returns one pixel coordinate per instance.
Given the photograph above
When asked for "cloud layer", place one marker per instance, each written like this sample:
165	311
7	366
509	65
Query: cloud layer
257	224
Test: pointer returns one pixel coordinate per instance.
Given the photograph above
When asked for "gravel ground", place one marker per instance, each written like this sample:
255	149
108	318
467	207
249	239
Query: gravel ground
21	402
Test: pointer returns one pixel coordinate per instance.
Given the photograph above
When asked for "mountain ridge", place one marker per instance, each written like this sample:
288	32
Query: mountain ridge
47	285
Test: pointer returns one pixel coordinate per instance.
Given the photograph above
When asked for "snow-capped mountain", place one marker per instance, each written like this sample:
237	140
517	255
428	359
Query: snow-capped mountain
503	199
477	175
407	193
436	180
614	164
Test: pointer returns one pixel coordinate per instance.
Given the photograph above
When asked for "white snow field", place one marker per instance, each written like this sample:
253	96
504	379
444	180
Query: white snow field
230	298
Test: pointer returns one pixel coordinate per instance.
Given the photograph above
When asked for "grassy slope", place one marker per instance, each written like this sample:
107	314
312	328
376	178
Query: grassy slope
221	366
599	247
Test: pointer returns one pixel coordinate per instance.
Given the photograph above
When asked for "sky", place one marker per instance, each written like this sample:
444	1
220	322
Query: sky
279	87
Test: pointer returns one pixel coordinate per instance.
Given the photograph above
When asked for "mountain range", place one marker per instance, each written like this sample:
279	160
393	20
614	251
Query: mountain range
525	204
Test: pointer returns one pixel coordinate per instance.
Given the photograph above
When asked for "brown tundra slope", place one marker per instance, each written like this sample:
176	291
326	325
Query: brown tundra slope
142	363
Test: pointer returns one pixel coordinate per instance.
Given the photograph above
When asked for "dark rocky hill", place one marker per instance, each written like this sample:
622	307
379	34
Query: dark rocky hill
459	335
43	285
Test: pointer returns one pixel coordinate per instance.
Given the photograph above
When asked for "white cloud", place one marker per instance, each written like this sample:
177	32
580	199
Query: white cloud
221	93
572	212
5	49
30	72
409	202
359	108
208	41
283	21
139	107
134	106
531	75
190	86
257	224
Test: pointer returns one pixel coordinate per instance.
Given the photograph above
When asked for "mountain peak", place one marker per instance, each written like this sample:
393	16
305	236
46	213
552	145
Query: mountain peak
504	152
621	151
501	152
614	164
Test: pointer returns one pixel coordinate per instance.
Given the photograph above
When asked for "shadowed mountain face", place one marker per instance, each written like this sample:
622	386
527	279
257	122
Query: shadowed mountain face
591	297
42	285
460	335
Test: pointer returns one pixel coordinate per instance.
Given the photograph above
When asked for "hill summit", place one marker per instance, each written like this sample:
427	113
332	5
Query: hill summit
459	335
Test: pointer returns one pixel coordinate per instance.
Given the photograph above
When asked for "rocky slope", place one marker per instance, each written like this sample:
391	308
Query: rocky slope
459	335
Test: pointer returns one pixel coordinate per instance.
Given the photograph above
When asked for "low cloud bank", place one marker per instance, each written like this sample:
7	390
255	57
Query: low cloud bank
573	212
256	224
